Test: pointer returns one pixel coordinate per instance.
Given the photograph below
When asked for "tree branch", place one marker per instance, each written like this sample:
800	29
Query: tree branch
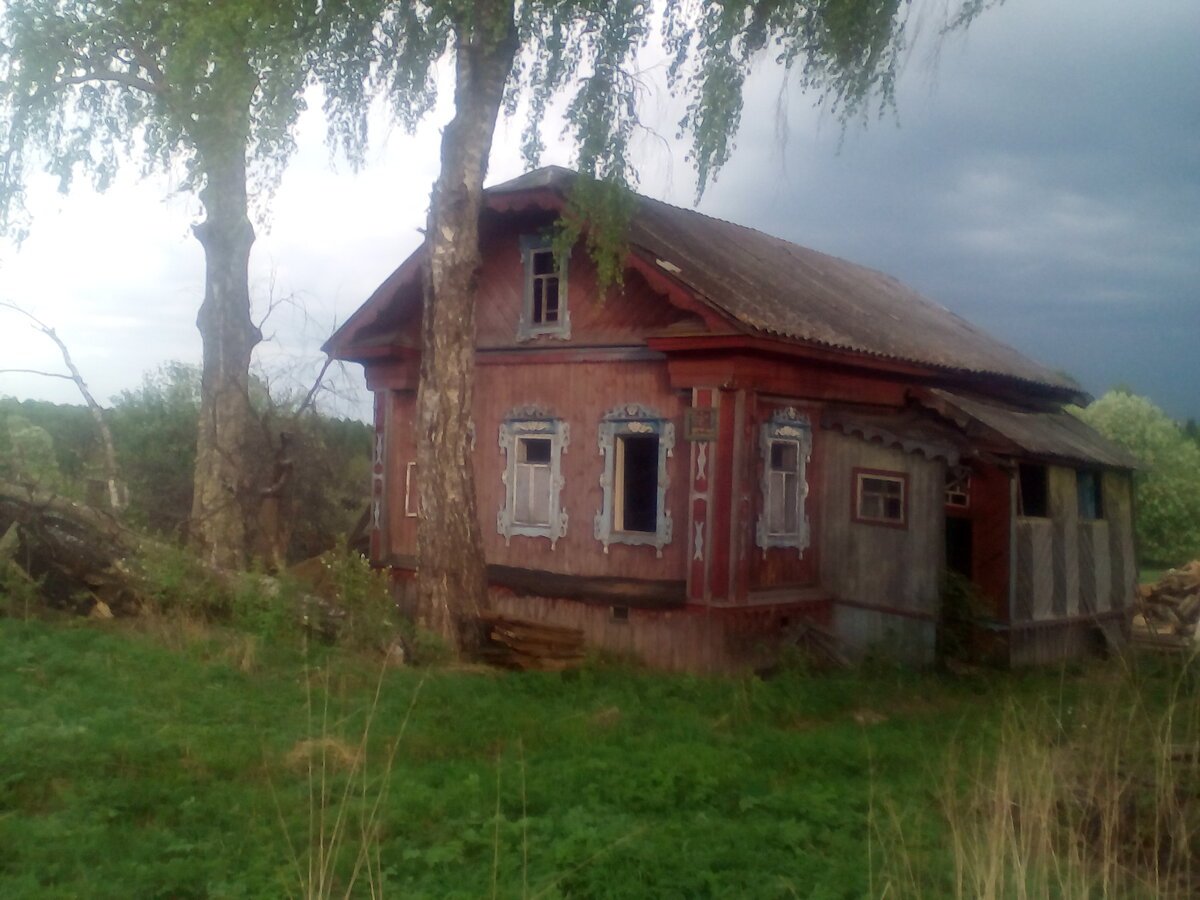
126	78
117	496
35	372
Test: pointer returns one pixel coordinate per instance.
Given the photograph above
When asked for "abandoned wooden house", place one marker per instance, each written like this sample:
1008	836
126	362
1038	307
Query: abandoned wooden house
745	436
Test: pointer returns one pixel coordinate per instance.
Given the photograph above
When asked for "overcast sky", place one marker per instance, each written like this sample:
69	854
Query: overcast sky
1042	180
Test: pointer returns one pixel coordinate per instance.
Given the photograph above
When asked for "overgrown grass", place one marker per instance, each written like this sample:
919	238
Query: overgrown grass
137	764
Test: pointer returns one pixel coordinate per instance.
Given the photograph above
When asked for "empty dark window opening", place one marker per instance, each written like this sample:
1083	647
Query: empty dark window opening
1035	491
637	483
1091	497
545	288
959	546
620	613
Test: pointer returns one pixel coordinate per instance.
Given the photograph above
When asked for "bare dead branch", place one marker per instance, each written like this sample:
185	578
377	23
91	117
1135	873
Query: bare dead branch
117	495
317	385
36	372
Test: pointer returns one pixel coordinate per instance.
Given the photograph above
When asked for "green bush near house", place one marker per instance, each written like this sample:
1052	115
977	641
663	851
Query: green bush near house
1167	486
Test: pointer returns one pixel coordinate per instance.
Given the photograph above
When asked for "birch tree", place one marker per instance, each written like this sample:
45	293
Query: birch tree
208	90
519	55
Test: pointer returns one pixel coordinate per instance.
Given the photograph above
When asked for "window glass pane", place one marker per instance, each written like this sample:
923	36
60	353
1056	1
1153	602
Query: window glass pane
549	300
532	494
538	304
783	507
543	262
881	499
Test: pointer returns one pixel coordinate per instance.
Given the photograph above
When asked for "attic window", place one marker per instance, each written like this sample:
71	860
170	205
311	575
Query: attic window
635	443
786	445
544	308
533	442
881	498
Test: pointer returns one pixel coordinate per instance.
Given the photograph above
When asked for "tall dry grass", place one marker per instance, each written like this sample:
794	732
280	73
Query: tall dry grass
1096	795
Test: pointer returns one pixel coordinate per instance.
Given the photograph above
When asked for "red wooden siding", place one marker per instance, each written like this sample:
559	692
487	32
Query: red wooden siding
580	394
992	536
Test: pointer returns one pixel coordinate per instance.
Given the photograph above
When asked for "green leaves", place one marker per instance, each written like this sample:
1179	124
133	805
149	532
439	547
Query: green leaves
85	87
1168	487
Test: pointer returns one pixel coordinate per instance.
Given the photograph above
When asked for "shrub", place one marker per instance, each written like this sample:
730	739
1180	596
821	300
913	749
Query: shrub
1168	485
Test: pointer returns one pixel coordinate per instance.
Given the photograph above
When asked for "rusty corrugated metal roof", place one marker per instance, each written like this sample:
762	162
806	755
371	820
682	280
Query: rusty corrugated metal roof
775	287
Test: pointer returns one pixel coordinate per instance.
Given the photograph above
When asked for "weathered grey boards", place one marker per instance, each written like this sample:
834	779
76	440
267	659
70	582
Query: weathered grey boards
1071	570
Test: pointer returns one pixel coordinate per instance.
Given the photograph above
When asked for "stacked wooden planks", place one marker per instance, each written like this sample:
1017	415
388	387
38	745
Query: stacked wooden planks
523	644
1169	610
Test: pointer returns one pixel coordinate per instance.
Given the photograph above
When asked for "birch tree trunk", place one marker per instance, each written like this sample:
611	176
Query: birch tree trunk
451	576
223	501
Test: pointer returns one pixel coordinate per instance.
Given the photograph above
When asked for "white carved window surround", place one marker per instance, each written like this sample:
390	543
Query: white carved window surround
786	444
544	305
635	442
533	442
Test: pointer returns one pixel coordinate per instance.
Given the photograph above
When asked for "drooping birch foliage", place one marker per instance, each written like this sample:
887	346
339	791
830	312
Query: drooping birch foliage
209	92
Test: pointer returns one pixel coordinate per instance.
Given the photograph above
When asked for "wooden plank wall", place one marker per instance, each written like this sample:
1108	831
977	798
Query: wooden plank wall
1070	570
989	512
1122	554
886	582
697	639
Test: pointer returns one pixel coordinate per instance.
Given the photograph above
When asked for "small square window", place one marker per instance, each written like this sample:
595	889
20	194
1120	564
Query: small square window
881	498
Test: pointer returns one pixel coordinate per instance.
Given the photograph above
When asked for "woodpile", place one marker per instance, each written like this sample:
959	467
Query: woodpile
530	646
1168	611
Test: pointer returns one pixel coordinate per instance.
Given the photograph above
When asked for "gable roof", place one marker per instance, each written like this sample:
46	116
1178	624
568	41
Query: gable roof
769	286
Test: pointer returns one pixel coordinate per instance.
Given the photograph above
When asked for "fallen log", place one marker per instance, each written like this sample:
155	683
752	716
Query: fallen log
84	561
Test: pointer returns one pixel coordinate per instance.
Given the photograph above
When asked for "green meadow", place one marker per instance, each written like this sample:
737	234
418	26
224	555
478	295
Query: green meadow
163	759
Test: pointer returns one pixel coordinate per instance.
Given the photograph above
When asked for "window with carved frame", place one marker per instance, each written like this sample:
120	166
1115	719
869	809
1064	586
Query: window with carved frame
533	442
786	445
635	442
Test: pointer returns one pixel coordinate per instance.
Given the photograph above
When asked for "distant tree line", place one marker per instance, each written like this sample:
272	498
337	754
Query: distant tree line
1167	486
324	461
